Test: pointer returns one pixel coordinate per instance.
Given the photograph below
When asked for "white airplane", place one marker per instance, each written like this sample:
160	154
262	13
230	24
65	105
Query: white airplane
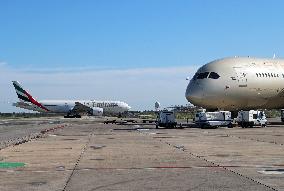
72	108
238	83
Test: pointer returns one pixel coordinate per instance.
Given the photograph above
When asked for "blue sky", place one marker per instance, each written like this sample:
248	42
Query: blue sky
136	33
59	36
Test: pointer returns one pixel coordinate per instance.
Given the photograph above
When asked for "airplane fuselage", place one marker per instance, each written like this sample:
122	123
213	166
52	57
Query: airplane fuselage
64	106
238	83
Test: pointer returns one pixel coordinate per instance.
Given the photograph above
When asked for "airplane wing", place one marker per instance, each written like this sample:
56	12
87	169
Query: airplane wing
80	108
28	106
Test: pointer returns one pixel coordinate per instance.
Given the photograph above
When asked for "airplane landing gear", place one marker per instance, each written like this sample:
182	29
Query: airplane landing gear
72	116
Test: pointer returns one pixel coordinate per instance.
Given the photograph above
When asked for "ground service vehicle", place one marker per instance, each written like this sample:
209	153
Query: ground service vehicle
251	118
216	119
166	119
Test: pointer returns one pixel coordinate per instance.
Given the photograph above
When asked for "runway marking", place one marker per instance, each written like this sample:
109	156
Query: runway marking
11	164
272	171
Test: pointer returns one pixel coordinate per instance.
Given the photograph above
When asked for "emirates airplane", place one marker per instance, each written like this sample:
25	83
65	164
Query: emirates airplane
71	108
238	83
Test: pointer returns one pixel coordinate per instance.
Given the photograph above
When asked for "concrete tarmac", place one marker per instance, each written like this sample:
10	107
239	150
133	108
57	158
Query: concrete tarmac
85	154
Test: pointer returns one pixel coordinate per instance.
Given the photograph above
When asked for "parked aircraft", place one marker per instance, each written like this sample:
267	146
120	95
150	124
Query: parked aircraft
71	108
238	83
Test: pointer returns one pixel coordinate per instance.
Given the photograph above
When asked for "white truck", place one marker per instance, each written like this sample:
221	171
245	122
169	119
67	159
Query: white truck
251	118
166	119
215	119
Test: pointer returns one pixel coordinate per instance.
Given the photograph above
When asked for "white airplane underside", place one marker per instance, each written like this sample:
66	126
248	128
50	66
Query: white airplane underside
238	83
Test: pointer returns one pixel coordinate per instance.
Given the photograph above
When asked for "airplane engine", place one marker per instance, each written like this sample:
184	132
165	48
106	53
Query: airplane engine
97	111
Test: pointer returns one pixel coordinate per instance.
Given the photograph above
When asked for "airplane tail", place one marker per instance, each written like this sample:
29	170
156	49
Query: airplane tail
24	96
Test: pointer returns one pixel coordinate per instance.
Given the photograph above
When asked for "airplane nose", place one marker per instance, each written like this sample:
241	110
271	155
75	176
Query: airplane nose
193	94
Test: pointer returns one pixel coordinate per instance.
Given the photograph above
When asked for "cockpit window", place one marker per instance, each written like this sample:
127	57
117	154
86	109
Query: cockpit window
202	75
195	75
214	75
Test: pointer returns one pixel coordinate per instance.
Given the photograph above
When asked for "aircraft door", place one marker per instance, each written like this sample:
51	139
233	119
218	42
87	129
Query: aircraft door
241	76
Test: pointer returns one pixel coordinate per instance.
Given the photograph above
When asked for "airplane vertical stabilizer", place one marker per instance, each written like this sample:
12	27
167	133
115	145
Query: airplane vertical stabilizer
24	96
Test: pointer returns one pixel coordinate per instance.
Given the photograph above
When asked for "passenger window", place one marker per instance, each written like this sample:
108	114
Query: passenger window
268	75
256	74
214	75
277	75
265	74
262	74
259	74
271	75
